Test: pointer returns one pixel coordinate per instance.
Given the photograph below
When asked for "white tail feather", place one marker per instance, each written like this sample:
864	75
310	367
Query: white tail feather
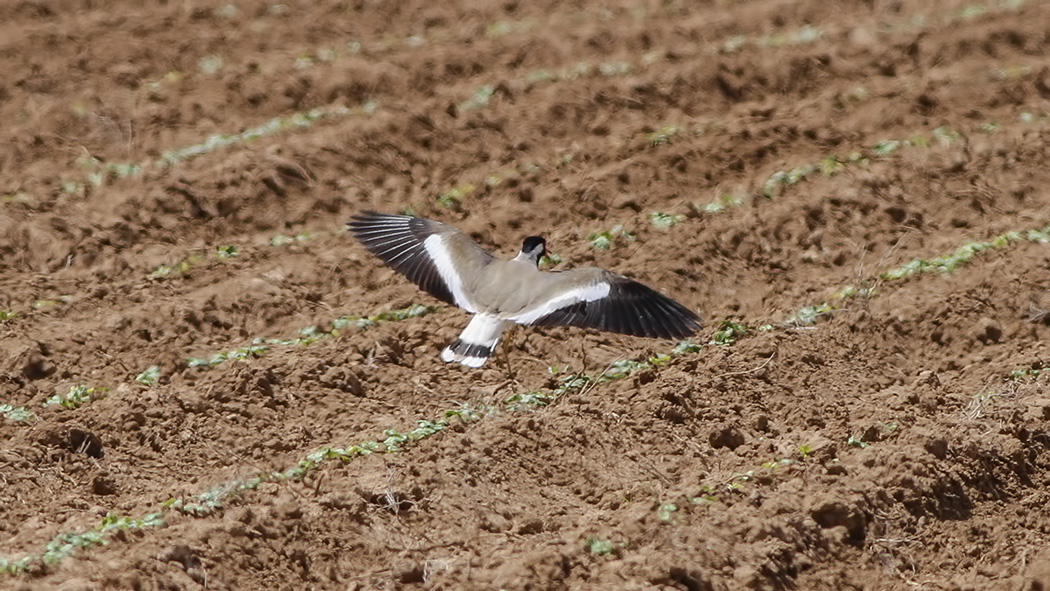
477	341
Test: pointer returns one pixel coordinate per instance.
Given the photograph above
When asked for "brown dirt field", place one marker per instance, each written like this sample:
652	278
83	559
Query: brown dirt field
854	419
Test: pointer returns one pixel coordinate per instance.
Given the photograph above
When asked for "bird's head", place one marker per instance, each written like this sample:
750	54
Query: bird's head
532	249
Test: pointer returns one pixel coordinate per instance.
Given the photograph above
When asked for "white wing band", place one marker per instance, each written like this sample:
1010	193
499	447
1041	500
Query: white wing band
583	293
442	258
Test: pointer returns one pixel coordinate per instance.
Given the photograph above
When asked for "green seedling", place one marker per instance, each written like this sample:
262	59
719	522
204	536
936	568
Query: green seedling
481	99
549	260
77	396
149	376
282	240
666	512
180	268
528	400
424	429
719	205
65	544
455	195
707	494
18	414
1031	372
854	441
605	240
466	413
664	221
6	315
569	383
804	451
663	135
786	178
599	547
728	332
685	347
886	147
831	165
226	252
774	464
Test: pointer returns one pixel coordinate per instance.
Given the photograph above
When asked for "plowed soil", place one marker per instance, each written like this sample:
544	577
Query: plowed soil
853	194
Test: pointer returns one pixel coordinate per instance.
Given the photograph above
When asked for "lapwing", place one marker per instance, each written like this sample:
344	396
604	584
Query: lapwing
453	268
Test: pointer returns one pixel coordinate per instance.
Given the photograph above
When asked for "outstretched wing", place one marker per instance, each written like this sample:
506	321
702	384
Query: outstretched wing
436	257
594	298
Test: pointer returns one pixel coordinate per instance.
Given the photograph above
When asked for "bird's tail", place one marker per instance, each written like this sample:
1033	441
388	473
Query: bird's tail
477	341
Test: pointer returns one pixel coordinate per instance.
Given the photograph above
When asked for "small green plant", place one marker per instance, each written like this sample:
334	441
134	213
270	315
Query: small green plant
685	347
854	441
1031	372
16	413
455	195
599	547
149	376
549	260
886	147
719	205
78	395
226	252
6	315
605	240
528	400
282	240
728	332
663	135
831	165
706	494
482	97
664	221
666	512
804	451
786	178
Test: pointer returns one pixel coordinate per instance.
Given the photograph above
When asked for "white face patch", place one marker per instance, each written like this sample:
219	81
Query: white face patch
442	257
582	293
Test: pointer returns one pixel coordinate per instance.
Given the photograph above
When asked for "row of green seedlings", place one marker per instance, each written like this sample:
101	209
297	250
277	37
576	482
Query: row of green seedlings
76	396
808	33
394	441
37	305
311	334
66	544
767	472
779	181
97	172
943	264
805	35
674	511
81	394
671	510
774	185
230	251
222	253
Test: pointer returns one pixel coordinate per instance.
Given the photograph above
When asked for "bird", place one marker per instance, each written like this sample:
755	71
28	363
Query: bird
453	268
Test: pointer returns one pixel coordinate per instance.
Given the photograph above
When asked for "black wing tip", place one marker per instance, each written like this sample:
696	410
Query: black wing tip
367	216
673	320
